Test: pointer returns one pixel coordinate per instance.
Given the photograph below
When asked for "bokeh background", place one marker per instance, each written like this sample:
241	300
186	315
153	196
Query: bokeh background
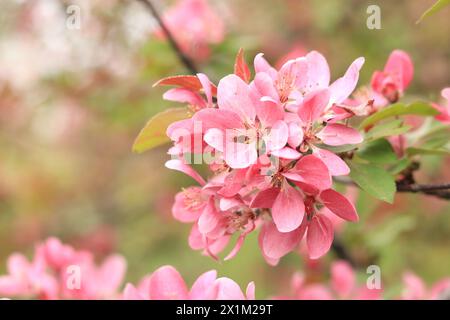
72	102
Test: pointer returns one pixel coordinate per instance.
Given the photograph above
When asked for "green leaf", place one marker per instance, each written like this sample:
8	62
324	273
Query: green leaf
437	6
374	180
398	109
339	149
399	166
392	128
434	139
423	151
379	152
154	132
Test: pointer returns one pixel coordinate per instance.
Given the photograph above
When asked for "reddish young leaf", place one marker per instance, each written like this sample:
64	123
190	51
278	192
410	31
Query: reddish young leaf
184	81
240	67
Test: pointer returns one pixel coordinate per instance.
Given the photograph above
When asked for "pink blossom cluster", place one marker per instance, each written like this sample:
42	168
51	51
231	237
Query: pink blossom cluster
389	85
343	285
414	288
270	141
58	271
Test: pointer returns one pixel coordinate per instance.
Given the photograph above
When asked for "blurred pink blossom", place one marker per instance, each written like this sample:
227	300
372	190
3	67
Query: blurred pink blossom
195	25
167	284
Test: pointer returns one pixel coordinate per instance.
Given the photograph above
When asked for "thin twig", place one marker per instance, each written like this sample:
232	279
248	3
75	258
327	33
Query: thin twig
422	187
441	194
184	59
441	191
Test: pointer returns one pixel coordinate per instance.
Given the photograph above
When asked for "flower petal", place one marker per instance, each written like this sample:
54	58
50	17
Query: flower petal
265	198
312	171
295	134
167	284
131	293
228	290
339	205
217	119
288	209
343	279
276	244
286	153
207	87
187	213
264	85
336	134
184	96
261	65
414	287
177	164
318	70
344	86
319	237
399	64
209	218
313	106
202	289
335	164
250	291
278	136
233	94
215	138
269	112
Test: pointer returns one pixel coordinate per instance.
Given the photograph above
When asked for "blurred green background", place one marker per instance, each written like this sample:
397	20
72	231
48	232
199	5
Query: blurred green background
72	102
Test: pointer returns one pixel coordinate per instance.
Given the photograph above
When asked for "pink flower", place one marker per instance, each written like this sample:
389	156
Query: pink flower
195	25
216	210
444	110
302	76
395	78
27	279
276	242
415	288
189	204
197	92
240	123
167	284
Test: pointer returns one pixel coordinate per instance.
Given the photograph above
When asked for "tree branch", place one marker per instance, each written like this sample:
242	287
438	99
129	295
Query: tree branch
184	59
